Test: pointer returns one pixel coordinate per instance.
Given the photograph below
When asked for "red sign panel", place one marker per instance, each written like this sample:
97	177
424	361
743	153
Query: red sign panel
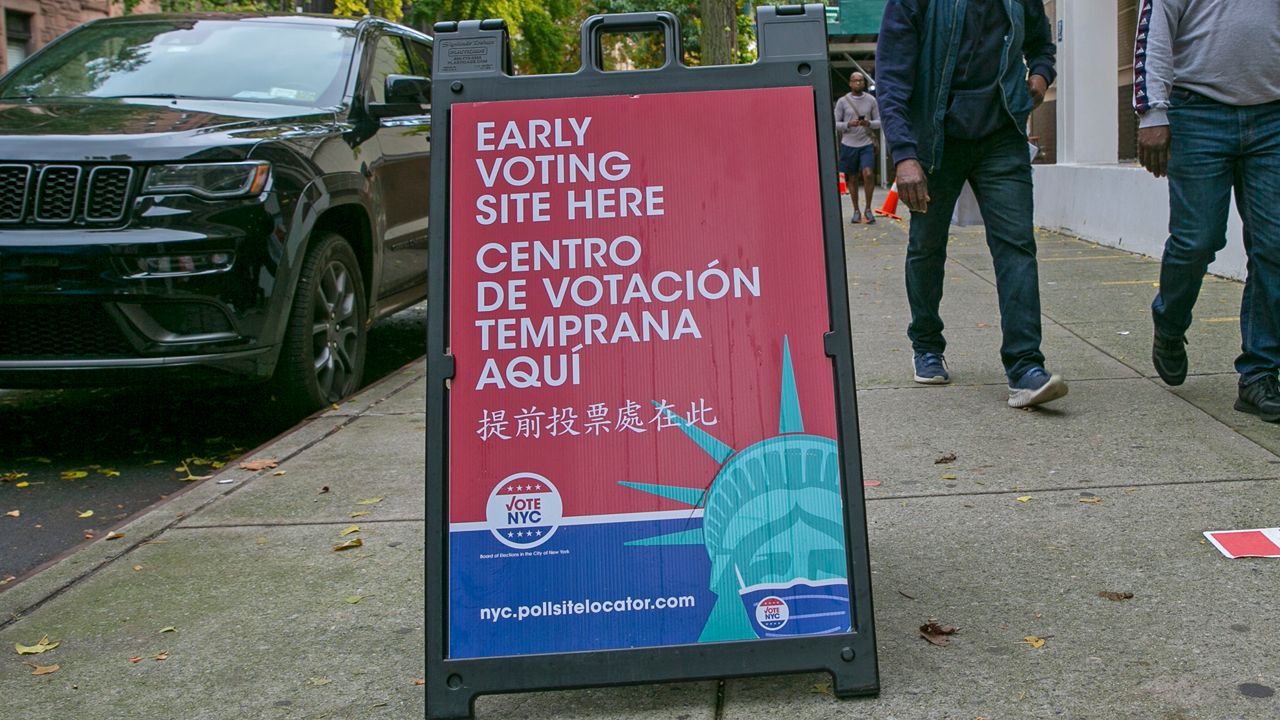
642	420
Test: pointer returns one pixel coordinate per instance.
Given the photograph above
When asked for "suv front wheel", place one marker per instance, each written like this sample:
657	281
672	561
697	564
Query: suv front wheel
322	359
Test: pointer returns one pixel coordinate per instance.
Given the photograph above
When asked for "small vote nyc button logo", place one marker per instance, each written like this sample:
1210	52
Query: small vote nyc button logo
524	510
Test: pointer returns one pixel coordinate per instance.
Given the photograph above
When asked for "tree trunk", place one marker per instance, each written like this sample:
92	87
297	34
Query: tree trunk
719	31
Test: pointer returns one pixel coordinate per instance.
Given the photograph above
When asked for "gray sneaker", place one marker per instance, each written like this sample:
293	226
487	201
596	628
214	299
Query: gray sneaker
857	217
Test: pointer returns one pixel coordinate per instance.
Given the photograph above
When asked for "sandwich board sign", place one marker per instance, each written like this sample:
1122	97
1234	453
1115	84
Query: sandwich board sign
642	459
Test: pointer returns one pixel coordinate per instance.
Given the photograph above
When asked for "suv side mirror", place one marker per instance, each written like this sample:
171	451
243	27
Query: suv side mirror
405	94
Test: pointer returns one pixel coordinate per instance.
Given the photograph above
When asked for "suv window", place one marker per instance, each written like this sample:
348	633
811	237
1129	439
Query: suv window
421	58
260	61
389	58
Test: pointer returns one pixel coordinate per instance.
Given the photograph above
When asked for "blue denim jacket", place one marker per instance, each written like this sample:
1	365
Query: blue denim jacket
916	55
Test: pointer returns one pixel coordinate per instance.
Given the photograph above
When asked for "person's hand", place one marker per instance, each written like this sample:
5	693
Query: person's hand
1037	86
913	187
1153	149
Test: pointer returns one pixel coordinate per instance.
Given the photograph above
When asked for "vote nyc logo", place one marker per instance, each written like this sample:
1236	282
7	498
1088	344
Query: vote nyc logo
524	510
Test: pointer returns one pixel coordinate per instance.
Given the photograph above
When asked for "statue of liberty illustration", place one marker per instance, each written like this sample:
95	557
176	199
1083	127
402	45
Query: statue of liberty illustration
772	526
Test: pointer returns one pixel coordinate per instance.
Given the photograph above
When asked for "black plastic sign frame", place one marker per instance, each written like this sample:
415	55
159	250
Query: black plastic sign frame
472	66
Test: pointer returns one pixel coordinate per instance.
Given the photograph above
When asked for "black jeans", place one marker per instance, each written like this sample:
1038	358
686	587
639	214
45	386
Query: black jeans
998	169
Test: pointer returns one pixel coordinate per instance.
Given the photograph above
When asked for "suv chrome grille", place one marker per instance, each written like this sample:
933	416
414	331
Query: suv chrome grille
56	193
13	192
108	193
64	194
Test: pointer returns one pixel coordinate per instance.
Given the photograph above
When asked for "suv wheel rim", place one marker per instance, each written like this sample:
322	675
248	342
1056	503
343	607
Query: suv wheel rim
335	331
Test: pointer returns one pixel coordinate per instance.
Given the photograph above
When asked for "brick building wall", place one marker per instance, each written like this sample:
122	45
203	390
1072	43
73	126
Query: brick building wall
27	25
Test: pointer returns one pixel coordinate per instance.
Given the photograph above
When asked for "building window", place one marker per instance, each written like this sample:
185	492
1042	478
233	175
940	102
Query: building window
1126	29
17	35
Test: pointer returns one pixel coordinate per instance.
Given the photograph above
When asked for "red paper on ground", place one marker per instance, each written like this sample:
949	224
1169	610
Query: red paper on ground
1247	543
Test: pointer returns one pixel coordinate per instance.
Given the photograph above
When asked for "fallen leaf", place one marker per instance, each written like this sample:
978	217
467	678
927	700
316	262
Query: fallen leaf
73	474
369	501
822	688
1025	498
88	535
42	646
109	472
278	473
361	513
113	535
137	568
43	669
8	579
1115	596
355	599
261	540
324	490
85	514
12	475
948	476
348	531
1034	641
870	483
168	629
945	459
262	464
1091	500
355	543
419	681
13	513
937	634
163	655
22	484
319	681
135	659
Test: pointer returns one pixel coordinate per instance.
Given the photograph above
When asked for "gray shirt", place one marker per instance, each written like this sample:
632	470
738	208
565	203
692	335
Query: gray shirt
848	108
1227	50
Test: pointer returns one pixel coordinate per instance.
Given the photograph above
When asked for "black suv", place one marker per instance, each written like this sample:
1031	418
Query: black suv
218	196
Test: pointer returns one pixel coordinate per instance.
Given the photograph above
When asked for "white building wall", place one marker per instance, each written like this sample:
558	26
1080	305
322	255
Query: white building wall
1088	193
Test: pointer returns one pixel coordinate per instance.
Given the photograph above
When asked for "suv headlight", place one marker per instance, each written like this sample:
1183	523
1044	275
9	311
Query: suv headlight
208	180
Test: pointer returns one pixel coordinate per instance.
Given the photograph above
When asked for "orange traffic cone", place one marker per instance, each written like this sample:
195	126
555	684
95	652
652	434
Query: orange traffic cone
843	188
890	204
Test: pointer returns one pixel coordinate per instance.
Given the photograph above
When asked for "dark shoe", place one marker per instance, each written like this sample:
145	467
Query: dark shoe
1036	387
1169	355
870	218
857	217
1261	397
931	368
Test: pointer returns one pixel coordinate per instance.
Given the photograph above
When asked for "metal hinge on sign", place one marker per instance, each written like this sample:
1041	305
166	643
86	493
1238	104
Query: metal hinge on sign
450	367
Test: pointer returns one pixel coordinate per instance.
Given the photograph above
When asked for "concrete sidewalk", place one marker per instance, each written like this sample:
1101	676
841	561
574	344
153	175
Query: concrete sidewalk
1107	489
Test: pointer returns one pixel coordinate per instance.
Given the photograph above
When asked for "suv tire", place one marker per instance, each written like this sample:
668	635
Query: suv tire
322	357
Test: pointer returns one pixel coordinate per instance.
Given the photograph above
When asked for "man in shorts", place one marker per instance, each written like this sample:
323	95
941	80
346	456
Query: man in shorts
857	114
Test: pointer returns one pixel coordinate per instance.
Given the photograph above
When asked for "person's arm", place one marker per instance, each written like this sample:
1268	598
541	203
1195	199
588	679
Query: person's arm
1153	79
875	114
843	116
1037	46
1153	59
897	52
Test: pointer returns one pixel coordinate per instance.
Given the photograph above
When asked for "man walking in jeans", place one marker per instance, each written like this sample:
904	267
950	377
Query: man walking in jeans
1208	93
954	100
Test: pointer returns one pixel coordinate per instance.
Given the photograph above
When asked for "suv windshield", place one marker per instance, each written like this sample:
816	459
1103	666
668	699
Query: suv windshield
261	61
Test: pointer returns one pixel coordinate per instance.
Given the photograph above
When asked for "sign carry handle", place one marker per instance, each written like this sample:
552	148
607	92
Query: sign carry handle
596	26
